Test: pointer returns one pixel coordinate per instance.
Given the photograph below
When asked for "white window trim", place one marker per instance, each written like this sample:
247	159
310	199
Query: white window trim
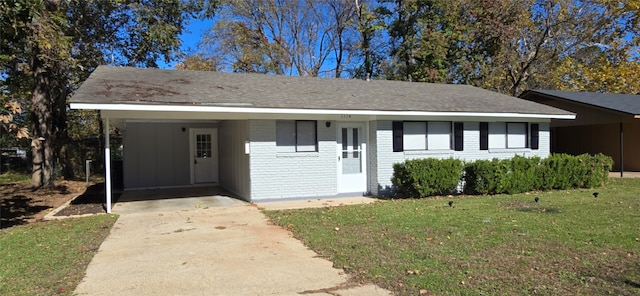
450	135
505	135
509	135
292	147
426	137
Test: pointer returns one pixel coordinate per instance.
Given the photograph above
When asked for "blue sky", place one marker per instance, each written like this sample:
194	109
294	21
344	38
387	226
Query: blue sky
190	38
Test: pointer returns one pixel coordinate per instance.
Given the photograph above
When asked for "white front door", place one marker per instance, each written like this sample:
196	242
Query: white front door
204	155
352	161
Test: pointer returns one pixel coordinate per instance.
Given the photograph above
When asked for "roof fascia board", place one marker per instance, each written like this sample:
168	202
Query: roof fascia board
217	109
153	116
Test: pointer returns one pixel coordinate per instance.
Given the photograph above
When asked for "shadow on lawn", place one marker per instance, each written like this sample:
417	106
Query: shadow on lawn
539	210
19	207
632	283
17	210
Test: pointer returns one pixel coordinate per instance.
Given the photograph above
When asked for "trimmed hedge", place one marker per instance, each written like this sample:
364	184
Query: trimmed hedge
427	177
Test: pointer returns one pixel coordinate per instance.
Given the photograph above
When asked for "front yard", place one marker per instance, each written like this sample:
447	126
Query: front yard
570	242
49	258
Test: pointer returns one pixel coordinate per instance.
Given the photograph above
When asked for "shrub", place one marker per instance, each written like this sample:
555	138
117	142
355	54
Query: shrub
482	177
520	174
597	169
426	177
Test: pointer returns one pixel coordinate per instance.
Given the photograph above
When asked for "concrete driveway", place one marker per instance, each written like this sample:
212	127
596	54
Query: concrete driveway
195	249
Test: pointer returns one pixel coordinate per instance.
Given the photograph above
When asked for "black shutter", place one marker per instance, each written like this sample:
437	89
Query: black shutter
397	136
535	136
484	136
458	136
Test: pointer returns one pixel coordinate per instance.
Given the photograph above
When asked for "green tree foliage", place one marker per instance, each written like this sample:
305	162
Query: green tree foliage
198	63
49	46
445	41
368	46
503	45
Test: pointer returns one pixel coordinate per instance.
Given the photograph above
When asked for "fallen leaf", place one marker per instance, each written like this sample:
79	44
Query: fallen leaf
413	271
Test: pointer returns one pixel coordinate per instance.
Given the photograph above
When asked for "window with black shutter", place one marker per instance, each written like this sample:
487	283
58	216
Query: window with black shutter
484	136
397	136
458	136
535	136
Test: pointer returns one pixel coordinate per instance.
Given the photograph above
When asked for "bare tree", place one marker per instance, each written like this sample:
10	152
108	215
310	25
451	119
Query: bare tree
303	37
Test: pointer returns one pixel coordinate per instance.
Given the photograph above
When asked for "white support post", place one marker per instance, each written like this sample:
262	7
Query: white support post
107	165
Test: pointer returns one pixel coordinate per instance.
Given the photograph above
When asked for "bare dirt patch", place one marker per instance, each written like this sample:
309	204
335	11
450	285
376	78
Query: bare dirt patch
20	204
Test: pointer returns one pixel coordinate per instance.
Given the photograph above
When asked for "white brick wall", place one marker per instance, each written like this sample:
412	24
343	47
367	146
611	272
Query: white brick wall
289	175
311	174
386	157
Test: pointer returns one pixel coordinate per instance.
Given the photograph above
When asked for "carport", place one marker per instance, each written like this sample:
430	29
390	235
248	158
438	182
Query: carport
175	199
178	153
605	123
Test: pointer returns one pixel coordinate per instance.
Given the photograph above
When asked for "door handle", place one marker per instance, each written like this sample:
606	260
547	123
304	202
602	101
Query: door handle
195	161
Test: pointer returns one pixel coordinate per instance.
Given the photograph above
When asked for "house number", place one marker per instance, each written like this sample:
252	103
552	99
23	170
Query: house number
345	116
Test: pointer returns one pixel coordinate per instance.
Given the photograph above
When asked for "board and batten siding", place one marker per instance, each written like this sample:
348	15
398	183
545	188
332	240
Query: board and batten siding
156	154
277	175
234	162
385	157
372	158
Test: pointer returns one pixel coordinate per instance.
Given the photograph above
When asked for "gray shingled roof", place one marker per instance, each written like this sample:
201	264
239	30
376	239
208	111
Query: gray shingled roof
629	104
124	85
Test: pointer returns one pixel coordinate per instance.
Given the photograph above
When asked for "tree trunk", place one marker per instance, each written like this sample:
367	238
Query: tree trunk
41	140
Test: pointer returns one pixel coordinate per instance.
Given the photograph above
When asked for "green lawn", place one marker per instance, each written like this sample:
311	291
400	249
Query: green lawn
49	258
13	177
568	243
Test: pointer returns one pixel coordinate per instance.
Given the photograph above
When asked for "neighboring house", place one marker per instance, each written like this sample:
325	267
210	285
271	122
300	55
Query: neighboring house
605	123
273	137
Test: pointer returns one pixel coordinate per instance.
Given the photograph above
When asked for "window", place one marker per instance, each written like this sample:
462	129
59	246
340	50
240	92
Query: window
497	135
296	136
203	145
438	135
415	136
503	135
432	135
517	135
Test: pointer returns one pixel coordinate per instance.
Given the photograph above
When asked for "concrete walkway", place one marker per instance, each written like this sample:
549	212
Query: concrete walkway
191	248
625	174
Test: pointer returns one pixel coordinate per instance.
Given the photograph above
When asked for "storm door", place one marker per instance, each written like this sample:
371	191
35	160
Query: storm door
352	153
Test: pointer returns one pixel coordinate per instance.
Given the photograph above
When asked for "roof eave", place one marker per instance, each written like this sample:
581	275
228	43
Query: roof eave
255	110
